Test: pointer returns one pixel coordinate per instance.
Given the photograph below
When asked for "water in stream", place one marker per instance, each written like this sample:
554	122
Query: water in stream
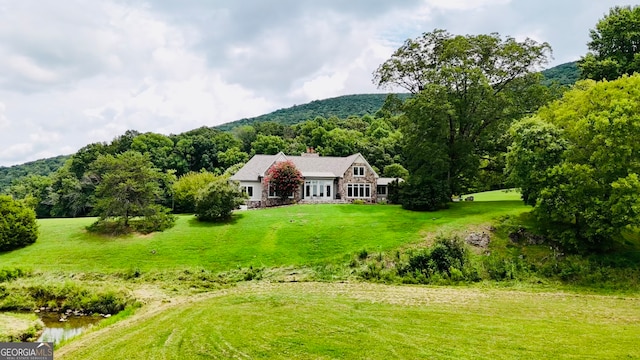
55	330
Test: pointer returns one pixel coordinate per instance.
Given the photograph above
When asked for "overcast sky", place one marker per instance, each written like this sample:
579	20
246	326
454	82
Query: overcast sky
73	72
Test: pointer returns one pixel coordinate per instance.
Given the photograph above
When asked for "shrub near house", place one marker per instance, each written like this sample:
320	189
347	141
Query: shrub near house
284	178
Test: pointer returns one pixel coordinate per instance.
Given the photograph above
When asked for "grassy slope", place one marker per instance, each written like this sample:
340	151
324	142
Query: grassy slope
15	325
294	235
352	321
496	195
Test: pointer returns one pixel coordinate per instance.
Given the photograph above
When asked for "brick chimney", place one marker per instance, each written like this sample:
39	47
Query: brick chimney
311	152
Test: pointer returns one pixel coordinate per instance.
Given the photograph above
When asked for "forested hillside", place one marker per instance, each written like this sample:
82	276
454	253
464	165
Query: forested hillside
38	167
341	107
564	74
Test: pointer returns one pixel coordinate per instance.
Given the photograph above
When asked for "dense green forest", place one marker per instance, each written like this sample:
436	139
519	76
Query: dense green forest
71	190
341	107
565	74
38	167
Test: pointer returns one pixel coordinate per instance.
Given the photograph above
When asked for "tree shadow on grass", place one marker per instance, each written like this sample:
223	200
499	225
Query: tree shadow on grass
194	222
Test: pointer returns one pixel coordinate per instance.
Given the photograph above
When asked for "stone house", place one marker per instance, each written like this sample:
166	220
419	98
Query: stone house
326	180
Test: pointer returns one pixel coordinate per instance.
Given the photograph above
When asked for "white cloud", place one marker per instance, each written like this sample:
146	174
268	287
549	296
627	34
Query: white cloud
463	5
82	71
4	122
16	151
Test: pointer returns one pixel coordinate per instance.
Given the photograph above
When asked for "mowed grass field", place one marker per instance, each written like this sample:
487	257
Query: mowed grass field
292	235
331	320
496	195
370	321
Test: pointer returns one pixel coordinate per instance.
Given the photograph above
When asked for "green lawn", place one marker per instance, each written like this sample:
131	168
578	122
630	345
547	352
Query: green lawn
368	321
293	235
496	195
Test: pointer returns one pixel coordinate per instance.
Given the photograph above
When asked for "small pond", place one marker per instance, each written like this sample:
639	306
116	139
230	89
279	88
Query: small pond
56	331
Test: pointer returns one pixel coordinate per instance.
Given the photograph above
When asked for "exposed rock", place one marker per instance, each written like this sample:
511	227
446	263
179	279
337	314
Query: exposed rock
523	235
478	239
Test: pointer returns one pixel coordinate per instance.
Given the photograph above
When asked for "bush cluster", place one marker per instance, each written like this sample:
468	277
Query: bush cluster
422	195
12	274
18	227
218	200
448	258
447	261
63	296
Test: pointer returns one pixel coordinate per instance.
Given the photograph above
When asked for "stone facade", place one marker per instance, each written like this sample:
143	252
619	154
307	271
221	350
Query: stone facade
349	178
267	201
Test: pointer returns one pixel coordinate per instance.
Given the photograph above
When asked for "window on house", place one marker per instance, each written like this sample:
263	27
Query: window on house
359	191
247	190
381	190
273	193
358	171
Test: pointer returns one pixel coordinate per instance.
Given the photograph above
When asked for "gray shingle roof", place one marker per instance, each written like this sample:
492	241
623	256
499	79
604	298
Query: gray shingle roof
256	166
386	180
309	166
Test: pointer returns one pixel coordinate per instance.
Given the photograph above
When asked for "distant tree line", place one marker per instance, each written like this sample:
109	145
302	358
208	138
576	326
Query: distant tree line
74	189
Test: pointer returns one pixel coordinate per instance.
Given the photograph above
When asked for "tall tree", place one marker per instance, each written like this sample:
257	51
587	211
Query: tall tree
578	162
128	186
614	48
158	146
468	90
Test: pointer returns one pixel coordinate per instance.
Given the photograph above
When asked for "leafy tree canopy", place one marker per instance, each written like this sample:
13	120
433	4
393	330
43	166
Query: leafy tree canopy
578	162
614	48
439	57
468	90
268	144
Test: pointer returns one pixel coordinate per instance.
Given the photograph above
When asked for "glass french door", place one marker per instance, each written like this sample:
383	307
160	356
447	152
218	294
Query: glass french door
318	189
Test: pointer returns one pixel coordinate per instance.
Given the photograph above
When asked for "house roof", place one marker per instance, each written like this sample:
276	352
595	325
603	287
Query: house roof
309	166
254	168
386	180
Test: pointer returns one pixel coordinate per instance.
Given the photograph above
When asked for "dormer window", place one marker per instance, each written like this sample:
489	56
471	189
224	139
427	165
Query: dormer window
358	171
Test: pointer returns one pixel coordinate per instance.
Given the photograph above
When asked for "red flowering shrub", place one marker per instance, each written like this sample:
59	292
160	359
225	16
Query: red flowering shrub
284	178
